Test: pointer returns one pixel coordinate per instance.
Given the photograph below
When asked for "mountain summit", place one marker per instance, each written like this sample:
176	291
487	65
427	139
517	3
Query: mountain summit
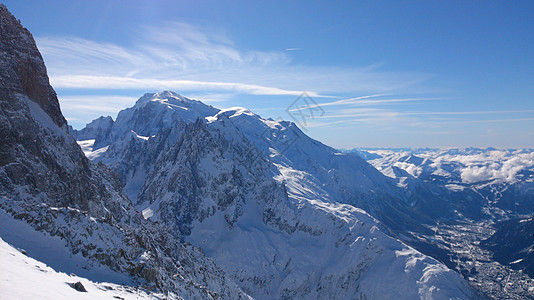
267	203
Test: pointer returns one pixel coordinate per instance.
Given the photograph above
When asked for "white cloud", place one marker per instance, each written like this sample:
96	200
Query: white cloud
498	164
474	166
185	57
116	82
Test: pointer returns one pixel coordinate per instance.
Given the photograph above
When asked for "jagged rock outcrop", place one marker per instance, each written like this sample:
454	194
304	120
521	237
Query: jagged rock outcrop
47	183
22	69
98	129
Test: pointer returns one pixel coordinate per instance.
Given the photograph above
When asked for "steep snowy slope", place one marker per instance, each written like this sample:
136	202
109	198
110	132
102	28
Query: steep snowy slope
19	272
346	177
276	229
47	184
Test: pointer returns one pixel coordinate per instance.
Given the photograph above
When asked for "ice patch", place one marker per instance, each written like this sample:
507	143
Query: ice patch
516	261
145	138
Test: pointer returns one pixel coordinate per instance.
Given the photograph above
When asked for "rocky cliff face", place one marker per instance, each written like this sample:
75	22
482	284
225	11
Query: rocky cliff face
22	69
48	185
37	153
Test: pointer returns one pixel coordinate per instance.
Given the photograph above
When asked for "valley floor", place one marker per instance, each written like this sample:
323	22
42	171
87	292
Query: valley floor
495	280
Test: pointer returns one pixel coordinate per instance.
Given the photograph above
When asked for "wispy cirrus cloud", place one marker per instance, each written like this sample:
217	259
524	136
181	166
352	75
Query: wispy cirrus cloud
374	113
186	57
363	101
117	82
347	113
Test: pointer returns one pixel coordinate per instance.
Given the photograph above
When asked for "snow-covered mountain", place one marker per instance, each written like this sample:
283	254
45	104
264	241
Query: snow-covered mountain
183	200
69	212
504	179
268	203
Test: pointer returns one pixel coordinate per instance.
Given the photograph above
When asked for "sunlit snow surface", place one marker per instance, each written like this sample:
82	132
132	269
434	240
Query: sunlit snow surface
87	148
23	277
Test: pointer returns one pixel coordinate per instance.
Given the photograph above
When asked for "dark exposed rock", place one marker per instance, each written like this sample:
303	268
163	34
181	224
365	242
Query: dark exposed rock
78	286
33	131
177	171
22	69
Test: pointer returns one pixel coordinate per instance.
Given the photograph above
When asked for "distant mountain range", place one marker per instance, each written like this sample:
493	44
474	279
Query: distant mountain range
503	178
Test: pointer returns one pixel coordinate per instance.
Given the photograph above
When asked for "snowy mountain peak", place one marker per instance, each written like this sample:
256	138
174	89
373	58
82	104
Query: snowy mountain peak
237	111
239	114
150	114
168	94
254	193
169	98
93	130
164	97
101	121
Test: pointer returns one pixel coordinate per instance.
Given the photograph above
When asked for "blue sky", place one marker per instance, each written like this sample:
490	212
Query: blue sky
385	73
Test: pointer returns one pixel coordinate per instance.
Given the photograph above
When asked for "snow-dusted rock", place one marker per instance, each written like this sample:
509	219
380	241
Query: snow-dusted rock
262	200
50	193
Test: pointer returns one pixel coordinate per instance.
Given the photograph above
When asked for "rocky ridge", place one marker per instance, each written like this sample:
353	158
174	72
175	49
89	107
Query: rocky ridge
48	183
